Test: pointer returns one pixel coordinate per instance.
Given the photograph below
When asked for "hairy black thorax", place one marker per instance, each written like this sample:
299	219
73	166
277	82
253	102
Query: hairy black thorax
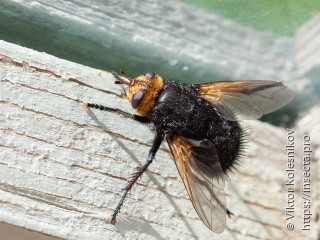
181	110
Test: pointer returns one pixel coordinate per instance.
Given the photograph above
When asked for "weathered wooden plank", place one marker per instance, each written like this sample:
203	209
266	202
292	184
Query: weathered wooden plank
165	36
62	169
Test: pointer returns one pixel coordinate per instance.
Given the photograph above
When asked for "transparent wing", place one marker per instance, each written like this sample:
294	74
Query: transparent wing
240	100
202	175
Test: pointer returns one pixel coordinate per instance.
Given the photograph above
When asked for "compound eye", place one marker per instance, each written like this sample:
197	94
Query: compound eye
137	99
150	75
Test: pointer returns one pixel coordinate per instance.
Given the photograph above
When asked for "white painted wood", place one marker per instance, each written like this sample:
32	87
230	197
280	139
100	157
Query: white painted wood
62	169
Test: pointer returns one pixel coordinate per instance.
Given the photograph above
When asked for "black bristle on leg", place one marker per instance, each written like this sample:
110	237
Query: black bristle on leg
138	118
155	146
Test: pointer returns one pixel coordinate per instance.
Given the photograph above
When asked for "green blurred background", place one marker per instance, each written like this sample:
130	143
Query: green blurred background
21	26
30	27
280	16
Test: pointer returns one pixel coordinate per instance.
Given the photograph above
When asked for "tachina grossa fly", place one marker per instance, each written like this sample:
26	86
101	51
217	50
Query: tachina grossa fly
200	123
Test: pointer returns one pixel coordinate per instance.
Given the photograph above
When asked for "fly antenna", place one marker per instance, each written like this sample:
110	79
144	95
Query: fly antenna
120	80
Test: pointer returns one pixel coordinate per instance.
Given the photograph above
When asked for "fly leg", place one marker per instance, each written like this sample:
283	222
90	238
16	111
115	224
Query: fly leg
141	119
155	146
117	76
229	213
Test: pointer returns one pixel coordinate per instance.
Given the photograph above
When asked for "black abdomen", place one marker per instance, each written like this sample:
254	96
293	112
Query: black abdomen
180	110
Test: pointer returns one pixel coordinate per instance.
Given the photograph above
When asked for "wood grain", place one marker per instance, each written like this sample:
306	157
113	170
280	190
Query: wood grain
63	169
